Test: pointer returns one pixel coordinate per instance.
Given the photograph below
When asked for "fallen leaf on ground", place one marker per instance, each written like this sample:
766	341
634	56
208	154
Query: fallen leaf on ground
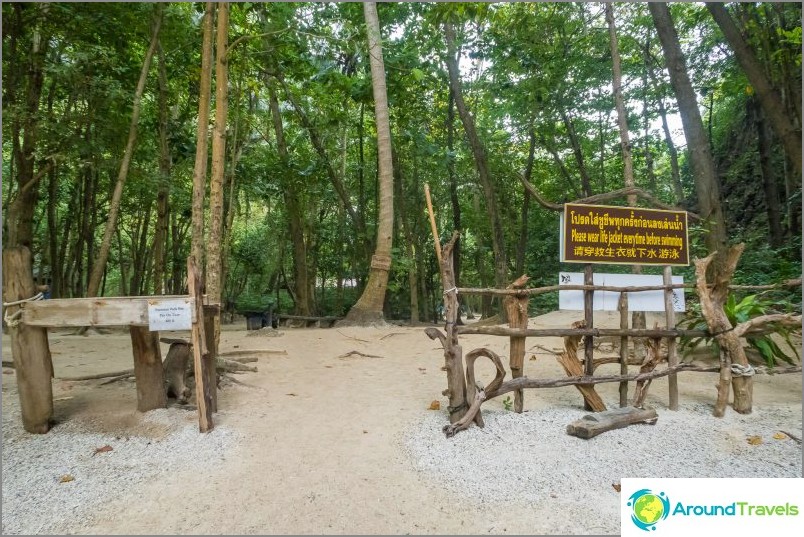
292	394
779	436
66	478
103	449
616	486
754	440
435	405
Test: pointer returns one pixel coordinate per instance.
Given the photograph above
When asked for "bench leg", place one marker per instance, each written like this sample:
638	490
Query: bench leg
148	369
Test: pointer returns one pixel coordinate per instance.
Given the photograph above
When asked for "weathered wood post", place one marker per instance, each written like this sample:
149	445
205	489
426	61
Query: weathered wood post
210	311
670	322
517	309
29	345
453	353
622	306
588	315
148	371
203	393
731	349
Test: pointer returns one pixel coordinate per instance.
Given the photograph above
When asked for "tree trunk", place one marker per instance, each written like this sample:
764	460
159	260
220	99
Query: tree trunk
99	266
523	232
638	317
767	95
294	214
453	196
214	241
163	192
622	118
202	135
586	181
369	308
21	209
775	233
707	187
481	163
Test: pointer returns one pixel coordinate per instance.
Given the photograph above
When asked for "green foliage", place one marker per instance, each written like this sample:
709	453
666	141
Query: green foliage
748	308
508	403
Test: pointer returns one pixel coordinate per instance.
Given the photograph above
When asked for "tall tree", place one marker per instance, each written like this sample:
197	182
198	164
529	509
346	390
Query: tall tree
707	187
293	209
214	274
481	162
163	192
768	96
99	266
369	308
202	136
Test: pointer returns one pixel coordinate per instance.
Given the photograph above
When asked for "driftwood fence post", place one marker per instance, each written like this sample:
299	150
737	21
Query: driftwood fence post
622	305
517	308
731	349
453	353
29	345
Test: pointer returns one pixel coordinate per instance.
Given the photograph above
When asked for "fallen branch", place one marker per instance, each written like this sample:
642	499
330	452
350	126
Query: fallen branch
243	352
392	334
352	337
125	372
115	379
358	353
230	366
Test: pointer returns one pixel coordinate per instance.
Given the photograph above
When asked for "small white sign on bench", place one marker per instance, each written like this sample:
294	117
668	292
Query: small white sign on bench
608	300
173	314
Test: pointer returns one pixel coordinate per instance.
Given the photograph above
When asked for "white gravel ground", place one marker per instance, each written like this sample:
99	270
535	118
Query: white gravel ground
35	501
529	458
525	458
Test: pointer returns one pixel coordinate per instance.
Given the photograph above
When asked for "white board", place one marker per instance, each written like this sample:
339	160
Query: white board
607	300
174	314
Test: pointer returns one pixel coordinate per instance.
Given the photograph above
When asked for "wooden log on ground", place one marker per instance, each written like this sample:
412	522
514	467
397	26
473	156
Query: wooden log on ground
29	345
244	352
573	367
594	424
200	351
517	309
233	366
148	369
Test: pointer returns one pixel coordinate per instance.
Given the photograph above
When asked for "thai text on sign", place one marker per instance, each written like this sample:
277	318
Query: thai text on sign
624	235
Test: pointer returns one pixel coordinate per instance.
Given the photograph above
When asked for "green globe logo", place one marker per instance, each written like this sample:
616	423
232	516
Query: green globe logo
648	508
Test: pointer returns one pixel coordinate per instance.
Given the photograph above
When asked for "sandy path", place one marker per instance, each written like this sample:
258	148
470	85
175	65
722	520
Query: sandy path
322	435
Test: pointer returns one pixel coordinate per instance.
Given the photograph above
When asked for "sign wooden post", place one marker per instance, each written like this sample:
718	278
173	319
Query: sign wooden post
623	307
203	393
588	315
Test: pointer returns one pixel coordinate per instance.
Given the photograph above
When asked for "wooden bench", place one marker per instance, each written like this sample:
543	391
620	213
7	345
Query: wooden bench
29	320
308	320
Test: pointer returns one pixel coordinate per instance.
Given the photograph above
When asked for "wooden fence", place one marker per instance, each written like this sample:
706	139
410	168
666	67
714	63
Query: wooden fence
465	396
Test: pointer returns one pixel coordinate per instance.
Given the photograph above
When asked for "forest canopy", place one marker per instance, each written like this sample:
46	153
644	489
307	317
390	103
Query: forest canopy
104	131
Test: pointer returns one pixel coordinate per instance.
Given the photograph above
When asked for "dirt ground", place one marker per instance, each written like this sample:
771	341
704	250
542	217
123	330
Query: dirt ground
323	452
